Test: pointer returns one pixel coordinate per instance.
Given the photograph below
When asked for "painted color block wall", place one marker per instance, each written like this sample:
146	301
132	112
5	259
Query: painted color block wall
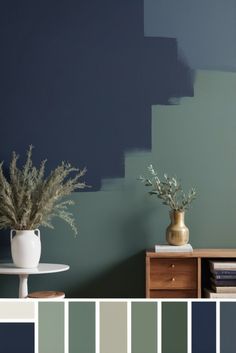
113	85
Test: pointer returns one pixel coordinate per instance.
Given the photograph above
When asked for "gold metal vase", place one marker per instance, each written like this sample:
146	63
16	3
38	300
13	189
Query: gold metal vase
177	233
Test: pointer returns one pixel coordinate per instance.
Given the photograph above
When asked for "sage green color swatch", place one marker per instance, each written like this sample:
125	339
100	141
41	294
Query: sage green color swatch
51	327
82	327
174	327
144	327
227	327
113	327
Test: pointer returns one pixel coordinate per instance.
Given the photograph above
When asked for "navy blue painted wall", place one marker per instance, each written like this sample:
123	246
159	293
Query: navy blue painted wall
78	79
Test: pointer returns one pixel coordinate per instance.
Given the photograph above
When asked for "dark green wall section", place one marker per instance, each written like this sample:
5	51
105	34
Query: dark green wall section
227	327
51	327
81	327
174	327
144	327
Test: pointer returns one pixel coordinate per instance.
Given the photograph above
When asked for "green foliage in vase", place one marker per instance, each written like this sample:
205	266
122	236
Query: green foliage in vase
29	199
169	190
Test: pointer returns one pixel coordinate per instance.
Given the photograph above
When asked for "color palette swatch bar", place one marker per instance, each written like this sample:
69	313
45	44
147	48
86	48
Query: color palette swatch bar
204	327
113	327
174	327
117	326
82	327
144	327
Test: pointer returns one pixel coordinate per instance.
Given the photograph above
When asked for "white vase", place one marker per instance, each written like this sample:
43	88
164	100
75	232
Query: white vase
25	248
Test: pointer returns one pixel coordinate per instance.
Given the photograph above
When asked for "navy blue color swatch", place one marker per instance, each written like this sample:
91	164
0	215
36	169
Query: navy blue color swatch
16	338
78	79
203	327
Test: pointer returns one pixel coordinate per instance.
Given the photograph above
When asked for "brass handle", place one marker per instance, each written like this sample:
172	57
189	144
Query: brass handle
173	266
173	279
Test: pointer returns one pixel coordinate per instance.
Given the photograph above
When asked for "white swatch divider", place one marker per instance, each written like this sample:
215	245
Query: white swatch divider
97	326
129	330
66	327
218	327
189	323
159	325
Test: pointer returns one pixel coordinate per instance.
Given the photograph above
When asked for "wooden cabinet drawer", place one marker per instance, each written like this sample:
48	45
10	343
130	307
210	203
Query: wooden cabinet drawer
173	273
173	294
173	265
181	280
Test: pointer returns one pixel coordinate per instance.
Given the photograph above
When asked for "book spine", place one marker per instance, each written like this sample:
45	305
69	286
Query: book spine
224	283
223	267
224	289
224	272
225	277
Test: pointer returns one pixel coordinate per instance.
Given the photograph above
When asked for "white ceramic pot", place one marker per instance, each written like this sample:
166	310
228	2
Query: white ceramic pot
25	248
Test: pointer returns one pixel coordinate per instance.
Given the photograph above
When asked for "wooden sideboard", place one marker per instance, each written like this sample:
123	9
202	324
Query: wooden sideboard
181	275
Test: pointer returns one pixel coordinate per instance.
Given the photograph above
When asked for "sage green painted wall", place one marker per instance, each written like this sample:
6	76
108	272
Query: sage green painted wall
195	140
81	327
51	327
174	327
144	327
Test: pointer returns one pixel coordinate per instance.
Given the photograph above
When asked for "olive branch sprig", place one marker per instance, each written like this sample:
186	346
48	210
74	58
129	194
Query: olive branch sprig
169	190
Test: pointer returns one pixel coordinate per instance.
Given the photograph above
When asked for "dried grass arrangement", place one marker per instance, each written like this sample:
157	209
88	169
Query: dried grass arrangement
29	199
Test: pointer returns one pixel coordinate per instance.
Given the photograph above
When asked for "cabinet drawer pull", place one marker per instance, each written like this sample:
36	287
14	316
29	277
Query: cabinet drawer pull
173	266
173	279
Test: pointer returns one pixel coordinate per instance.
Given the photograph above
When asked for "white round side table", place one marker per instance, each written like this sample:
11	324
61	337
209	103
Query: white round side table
23	273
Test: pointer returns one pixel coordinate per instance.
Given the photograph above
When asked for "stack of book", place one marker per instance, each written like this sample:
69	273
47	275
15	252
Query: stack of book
187	248
223	280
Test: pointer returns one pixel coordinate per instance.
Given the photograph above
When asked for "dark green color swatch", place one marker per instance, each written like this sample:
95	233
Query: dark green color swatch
227	327
81	327
144	327
51	327
174	327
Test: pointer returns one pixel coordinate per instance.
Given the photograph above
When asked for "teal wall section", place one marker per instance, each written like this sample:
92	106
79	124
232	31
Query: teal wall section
194	140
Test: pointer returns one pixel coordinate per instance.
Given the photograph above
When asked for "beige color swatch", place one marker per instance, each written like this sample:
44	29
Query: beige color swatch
17	310
113	327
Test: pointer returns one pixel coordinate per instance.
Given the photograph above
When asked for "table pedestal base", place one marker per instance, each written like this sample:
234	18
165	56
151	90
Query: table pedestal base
23	287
